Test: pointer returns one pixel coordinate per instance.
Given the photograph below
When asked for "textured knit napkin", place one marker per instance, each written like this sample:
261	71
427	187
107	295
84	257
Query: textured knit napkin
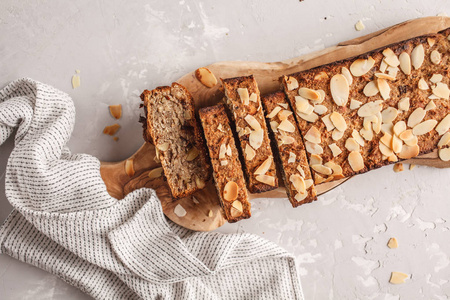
66	223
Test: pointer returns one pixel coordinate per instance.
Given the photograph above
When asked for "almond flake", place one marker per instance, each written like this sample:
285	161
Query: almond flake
243	94
367	133
269	180
321	75
312	117
192	154
283	105
416	117
338	121
383	66
361	66
370	108
220	128
116	111
230	191
444	125
347	75
339	89
287	126
322	97
292	157
291	83
286	140
389	114
424	127
385	150
251	120
322	169
371	89
179	211
384	88
313	148
222	150
417	56
283	115
315	159
436	78
384	76
405	63
445	140
387	140
396	144
298	183
224	162
337	135
299	196
206	77
399	127
431	42
308	183
264	167
301	104
155	173
253	97
398	277
435	57
308	94
313	135
236	209
406	135
356	161
335	149
409	151
274	112
390	58
441	90
320	109
351	144
403	104
358	138
430	106
354	104
398	168
392	72
228	150
249	152
256	138
444	154
423	85
327	121
111	130
389	128
300	170
392	158
163	146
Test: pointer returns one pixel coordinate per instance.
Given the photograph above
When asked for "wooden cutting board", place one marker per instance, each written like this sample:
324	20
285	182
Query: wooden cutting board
206	215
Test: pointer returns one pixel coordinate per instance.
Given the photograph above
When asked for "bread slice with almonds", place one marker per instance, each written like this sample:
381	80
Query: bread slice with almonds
379	108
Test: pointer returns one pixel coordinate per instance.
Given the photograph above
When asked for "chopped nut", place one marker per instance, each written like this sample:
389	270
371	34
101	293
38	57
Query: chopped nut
249	152
179	211
155	173
230	191
264	167
398	167
236	209
313	148
416	117
441	90
403	104
398	277
389	114
256	138
338	121
322	97
444	154
351	145
129	167
339	89
308	94
335	149
269	180
417	56
274	112
393	244
287	126
243	94
405	63
435	57
206	77
423	85
356	161
298	183
291	83
111	130
192	154
313	135
384	88
371	89
354	104
347	75
322	169
424	127
116	111
251	120
292	157
361	66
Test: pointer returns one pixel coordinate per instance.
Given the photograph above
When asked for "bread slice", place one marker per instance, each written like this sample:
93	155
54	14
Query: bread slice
290	149
378	108
227	169
243	100
171	126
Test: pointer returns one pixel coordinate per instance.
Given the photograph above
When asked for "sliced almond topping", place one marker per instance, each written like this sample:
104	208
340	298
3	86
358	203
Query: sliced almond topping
385	76
347	75
409	151
308	183
351	144
300	170
230	191
179	211
256	138
384	88
339	89
291	83
444	154
361	66
441	90
371	89
312	117
111	130
327	121
116	111
313	135
318	179
398	167
354	104
444	125
411	141
398	277
163	146
155	173
224	162
423	85
286	140
424	127
322	97
392	72
287	126
356	161
283	115
389	114
192	154
129	167
220	128
387	140
313	148
416	117
390	58
337	134
431	42
222	150
445	140
253	97
389	128
274	126
274	112
299	196
308	94
399	127
206	77
292	157
397	144
406	135
393	158
322	169
298	183
431	105
405	63
315	159
370	108
243	94
228	150
309	110
335	149
265	166
435	57
338	121
358	138
366	133
195	200
417	56
251	120
436	78
403	104
320	109
283	105
393	244
236	209
385	150
321	75
269	180
249	152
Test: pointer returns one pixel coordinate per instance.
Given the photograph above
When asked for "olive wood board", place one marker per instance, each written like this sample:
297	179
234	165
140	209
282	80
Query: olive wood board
206	215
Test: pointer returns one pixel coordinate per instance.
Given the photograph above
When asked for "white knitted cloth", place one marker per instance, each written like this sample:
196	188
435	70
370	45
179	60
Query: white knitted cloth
66	223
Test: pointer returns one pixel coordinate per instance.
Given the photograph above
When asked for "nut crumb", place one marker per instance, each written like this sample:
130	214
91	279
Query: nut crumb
210	213
359	26
76	81
116	138
111	130
116	111
393	244
398	277
398	167
129	167
412	166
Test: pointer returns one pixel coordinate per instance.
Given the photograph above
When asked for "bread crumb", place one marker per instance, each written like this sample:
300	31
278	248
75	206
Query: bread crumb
359	26
398	167
393	244
412	166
